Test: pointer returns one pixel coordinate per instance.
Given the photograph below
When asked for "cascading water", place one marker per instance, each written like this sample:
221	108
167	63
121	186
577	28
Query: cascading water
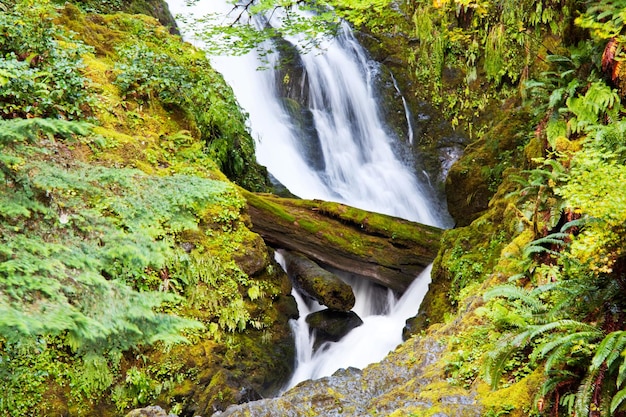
354	162
407	111
380	332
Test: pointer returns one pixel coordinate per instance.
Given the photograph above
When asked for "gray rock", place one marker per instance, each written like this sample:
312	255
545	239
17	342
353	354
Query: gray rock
151	411
370	392
330	325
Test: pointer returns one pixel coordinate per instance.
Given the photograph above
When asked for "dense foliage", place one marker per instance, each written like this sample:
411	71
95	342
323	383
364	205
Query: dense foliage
562	309
40	70
117	229
109	238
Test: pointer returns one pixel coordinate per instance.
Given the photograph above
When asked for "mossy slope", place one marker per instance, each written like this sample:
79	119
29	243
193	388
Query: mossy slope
140	195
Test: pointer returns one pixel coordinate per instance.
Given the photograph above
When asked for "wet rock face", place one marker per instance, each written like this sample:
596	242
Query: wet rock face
319	284
474	178
399	384
293	88
330	326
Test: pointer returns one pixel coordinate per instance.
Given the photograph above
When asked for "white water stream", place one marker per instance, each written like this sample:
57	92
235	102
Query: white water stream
380	332
359	168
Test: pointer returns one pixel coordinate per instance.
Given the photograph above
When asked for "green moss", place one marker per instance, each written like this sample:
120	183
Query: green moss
399	231
266	204
241	295
474	179
518	399
91	29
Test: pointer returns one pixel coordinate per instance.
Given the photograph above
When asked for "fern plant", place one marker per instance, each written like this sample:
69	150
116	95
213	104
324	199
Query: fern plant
55	248
582	361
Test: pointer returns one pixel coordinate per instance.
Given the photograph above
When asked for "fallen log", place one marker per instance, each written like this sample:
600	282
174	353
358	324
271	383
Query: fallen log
385	249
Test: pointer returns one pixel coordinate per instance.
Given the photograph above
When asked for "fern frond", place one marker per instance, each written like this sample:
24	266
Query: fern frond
553	238
555	98
539	245
530	250
28	130
583	221
617	400
559	59
561	349
529	84
550	286
555	379
560	325
559	356
621	374
512	292
584	395
497	359
566	340
609	349
568	402
556	165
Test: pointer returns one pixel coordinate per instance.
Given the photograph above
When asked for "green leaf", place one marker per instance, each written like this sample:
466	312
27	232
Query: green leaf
617	400
609	349
254	292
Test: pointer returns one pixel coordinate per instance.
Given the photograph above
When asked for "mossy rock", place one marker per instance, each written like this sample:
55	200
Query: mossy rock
319	284
253	256
475	177
516	399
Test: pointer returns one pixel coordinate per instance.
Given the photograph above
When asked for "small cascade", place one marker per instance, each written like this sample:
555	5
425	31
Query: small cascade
380	332
407	111
353	162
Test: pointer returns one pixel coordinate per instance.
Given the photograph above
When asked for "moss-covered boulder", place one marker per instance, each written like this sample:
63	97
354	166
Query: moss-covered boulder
317	283
473	180
408	382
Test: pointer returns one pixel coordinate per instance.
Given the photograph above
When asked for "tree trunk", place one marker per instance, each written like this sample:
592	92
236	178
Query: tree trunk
385	249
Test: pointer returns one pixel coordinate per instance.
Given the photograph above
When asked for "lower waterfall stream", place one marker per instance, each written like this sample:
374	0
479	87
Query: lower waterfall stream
354	161
380	332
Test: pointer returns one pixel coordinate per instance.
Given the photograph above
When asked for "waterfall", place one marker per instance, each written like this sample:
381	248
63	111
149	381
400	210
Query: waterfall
407	111
349	158
380	332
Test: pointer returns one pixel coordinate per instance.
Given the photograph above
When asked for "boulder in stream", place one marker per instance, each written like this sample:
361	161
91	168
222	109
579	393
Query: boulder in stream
408	382
330	326
318	283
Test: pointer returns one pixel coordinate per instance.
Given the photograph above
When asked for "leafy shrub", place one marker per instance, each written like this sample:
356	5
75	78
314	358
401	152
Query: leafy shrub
154	67
569	315
40	66
145	74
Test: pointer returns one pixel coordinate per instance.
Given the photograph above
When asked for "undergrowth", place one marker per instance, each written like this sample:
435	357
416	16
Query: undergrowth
118	232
